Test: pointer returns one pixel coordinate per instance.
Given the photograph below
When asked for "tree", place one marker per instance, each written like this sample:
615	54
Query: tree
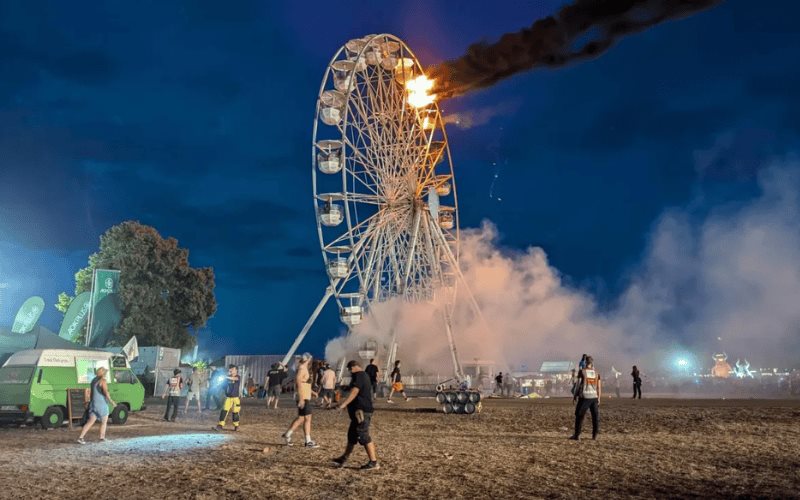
161	295
63	302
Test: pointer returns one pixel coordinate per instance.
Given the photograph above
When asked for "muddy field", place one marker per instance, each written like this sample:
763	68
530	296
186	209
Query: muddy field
513	449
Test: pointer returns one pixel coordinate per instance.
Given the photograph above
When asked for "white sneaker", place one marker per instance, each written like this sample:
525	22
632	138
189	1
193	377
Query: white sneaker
81	441
408	399
389	401
311	444
288	439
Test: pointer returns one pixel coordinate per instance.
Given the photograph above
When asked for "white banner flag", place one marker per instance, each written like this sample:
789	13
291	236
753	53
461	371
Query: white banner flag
131	349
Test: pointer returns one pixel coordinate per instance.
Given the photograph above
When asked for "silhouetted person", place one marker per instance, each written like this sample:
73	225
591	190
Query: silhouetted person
499	381
637	383
372	372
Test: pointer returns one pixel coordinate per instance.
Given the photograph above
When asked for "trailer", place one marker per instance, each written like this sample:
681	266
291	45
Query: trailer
155	365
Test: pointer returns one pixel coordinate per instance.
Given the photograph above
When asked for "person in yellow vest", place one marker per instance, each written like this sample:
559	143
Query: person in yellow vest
304	396
588	391
232	405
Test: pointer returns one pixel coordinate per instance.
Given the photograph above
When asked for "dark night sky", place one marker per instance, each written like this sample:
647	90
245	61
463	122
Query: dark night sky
196	118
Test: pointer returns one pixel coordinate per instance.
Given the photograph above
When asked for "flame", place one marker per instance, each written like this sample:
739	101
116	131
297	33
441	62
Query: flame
418	90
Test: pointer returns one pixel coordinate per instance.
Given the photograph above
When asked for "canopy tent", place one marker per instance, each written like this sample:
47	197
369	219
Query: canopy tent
38	338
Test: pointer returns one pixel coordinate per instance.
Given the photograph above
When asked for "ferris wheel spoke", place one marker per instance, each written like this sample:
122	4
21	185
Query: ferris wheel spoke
344	239
368	168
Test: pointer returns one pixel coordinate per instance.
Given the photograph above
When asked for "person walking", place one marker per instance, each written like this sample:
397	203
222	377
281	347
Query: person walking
172	392
589	392
359	409
100	403
397	383
304	395
233	403
372	372
194	383
498	380
275	378
328	383
251	387
573	381
508	385
637	382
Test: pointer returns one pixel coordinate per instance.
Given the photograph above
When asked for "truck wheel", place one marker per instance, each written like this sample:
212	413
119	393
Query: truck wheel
53	418
120	414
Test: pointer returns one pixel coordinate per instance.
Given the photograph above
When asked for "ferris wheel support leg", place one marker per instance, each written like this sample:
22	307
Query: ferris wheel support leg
392	351
453	352
450	257
307	327
341	369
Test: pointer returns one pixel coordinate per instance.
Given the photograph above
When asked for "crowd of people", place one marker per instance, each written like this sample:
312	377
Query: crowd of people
313	383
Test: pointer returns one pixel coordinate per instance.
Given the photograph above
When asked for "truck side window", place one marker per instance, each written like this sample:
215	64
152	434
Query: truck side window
122	376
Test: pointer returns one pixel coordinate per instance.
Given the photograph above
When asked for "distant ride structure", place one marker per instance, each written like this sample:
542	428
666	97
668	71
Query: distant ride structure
383	188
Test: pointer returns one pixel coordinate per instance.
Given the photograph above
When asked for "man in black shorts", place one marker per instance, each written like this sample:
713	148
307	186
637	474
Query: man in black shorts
359	409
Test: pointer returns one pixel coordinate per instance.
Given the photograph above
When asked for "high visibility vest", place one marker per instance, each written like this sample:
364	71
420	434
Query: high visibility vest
590	380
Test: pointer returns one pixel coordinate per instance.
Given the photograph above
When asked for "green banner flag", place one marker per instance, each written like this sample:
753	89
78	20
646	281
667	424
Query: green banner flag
105	317
105	282
76	316
28	315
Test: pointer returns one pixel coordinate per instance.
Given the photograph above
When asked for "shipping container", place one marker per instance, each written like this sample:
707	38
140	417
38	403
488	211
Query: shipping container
154	366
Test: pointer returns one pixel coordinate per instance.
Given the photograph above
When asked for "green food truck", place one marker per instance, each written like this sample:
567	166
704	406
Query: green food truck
34	383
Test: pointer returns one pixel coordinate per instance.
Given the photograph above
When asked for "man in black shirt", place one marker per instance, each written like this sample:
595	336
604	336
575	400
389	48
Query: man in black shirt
275	378
359	408
372	373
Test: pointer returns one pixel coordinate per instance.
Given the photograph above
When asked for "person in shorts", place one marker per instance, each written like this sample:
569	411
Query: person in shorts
397	383
328	383
275	378
359	409
304	395
194	383
100	403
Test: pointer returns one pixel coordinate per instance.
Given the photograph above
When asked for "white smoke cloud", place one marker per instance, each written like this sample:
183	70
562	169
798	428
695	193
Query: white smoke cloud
734	276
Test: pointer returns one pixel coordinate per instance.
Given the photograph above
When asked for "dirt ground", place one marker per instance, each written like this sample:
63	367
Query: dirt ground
513	449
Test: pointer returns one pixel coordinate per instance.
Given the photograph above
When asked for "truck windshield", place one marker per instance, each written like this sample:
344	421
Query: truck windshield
16	374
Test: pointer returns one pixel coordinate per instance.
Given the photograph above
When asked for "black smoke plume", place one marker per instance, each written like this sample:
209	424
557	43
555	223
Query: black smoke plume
582	30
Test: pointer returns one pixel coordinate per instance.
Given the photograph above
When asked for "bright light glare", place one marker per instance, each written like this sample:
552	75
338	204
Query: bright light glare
683	362
419	91
170	443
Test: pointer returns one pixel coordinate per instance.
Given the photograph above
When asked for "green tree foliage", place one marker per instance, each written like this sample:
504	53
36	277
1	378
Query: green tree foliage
162	296
63	302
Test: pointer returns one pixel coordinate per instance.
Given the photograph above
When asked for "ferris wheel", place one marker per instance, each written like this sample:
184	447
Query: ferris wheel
384	191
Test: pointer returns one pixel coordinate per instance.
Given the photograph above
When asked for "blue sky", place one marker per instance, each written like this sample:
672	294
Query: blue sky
196	117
